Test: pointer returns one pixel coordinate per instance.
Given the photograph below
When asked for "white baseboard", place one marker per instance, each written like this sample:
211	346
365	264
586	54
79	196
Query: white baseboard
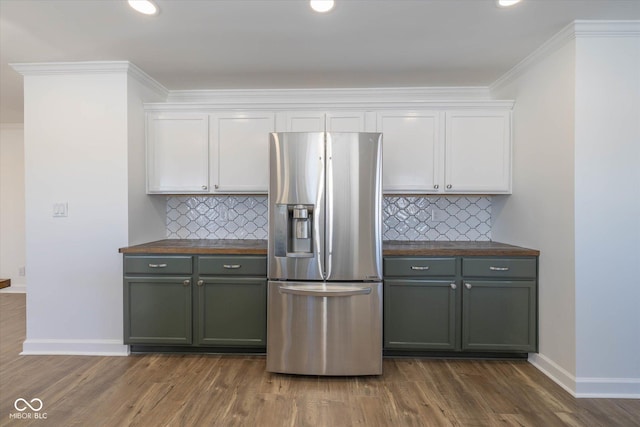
14	289
75	347
558	374
582	387
610	388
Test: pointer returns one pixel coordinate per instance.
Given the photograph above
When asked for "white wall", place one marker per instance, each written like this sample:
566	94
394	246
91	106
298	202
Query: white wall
540	213
12	238
147	214
75	152
84	145
576	198
607	212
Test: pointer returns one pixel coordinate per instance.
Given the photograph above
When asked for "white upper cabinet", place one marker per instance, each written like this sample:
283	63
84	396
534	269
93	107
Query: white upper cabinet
478	152
302	121
222	152
240	151
320	121
464	152
411	151
429	147
177	153
345	121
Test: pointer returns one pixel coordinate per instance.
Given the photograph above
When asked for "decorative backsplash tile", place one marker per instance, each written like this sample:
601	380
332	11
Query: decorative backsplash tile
404	217
217	217
436	218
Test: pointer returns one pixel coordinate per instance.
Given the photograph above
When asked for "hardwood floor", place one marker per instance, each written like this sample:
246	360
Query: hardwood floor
215	390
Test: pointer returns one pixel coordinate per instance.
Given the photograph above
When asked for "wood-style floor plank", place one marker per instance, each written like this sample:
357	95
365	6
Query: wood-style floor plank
234	390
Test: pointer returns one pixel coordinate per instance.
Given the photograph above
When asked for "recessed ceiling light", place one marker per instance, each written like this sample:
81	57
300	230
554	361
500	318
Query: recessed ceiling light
321	5
507	3
144	6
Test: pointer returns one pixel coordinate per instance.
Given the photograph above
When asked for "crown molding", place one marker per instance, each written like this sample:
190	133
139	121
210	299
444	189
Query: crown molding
81	67
89	67
629	28
329	105
148	81
576	29
329	98
564	36
320	95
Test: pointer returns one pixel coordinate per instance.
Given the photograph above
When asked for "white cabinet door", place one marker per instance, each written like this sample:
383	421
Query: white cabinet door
320	121
304	121
240	151
345	121
177	153
478	152
411	151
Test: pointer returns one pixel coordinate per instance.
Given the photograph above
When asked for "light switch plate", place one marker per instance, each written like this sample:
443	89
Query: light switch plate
60	209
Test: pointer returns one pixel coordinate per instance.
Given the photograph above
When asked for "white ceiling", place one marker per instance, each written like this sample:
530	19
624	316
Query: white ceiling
230	44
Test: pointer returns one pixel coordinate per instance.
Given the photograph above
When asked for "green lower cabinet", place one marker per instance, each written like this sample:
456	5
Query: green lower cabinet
157	310
232	312
420	314
499	316
195	301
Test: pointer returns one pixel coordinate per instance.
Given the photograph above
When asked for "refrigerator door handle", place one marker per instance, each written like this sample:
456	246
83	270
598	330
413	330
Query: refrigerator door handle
324	291
329	203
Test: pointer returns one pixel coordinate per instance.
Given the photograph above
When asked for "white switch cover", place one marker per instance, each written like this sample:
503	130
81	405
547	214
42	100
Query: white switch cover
60	209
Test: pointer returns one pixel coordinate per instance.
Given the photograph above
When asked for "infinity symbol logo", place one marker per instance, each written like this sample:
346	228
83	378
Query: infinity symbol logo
21	404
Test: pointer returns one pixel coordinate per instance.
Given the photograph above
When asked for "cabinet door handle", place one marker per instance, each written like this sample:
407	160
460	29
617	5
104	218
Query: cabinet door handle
449	186
420	267
492	268
157	265
232	266
200	282
216	186
186	282
468	285
435	187
204	187
454	286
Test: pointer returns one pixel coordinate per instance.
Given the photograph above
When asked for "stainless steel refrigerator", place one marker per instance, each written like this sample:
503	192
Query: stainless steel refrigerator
325	254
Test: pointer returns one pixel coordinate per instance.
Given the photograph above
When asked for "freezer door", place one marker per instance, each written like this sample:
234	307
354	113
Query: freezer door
296	248
354	206
324	328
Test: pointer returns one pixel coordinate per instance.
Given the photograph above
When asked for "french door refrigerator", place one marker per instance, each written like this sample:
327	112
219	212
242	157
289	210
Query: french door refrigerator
325	254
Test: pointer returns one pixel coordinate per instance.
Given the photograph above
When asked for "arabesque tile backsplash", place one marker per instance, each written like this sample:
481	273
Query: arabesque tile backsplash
444	218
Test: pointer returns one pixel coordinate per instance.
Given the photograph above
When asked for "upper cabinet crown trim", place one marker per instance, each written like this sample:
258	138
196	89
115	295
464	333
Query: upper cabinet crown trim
315	95
318	99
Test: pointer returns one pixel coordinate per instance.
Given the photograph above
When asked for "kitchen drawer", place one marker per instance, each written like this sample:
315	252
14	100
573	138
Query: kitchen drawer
233	265
498	267
419	266
157	264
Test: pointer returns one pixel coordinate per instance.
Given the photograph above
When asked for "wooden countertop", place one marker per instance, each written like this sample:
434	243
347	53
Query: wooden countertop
199	246
389	248
433	248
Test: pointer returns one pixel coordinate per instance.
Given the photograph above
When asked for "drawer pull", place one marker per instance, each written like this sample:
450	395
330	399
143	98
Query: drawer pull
492	268
186	282
157	265
468	285
419	267
454	286
232	266
200	282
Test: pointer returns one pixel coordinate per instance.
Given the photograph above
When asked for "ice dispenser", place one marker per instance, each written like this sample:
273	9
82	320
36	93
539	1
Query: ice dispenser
294	236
